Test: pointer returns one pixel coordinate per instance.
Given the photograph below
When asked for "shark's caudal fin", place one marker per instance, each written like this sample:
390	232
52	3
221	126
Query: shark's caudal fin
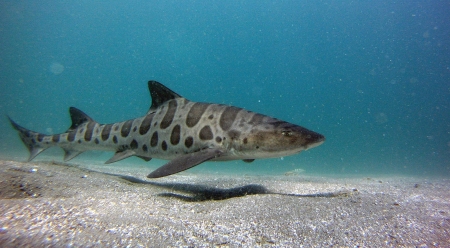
29	138
38	142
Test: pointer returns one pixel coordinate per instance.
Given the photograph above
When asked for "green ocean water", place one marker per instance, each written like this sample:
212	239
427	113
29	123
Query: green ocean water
373	77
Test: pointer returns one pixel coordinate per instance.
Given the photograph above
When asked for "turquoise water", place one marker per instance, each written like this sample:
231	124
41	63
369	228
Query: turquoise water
373	77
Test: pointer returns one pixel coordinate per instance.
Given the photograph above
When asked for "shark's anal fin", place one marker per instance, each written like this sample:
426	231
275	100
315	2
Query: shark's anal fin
160	94
69	154
185	162
120	155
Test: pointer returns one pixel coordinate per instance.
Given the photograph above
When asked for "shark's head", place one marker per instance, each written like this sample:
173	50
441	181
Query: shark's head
278	138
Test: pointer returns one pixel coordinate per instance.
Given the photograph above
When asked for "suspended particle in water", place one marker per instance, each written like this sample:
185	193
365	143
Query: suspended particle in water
381	118
49	130
56	68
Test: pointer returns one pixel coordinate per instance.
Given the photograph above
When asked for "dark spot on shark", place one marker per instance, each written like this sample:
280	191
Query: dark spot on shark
164	145
89	130
55	138
245	141
168	117
145	125
156	124
116	127
278	123
123	148
210	117
256	119
189	141
144	148
134	129
134	144
228	116
195	113
154	139
218	139
126	128
175	136
115	139
27	134
81	130
96	141
206	133
71	136
79	141
40	137
105	132
234	134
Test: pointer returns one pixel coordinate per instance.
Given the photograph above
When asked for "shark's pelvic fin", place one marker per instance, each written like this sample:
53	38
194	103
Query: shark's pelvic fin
185	162
120	155
125	154
160	94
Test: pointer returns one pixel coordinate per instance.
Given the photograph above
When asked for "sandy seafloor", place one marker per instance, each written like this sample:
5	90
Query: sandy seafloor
56	204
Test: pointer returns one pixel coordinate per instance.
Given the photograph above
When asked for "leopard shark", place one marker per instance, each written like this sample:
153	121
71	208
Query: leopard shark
185	132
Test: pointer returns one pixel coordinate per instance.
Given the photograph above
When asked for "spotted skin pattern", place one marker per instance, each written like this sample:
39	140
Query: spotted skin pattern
176	129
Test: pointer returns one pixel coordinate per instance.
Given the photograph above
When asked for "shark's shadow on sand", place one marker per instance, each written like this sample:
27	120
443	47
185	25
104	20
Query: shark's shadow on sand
198	193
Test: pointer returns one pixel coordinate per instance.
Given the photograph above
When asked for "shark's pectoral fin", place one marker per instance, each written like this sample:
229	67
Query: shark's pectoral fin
70	154
185	162
120	155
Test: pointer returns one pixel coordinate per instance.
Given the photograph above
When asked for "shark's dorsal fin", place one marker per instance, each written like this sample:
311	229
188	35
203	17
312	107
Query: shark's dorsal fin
160	94
78	117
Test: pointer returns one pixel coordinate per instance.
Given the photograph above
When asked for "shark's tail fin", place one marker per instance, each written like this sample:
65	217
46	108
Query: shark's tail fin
32	140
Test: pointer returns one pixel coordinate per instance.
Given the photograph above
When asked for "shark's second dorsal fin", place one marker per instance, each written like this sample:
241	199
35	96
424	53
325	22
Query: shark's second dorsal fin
160	94
78	117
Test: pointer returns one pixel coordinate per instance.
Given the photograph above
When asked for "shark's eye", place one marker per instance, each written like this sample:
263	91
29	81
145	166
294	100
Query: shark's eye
287	133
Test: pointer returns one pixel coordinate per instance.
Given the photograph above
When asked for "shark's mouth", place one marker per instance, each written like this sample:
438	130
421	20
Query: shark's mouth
312	145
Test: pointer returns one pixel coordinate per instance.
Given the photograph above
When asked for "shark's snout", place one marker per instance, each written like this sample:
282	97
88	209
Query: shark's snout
314	139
